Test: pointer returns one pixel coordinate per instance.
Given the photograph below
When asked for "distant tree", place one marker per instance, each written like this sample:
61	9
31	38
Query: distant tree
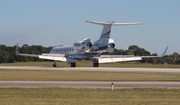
177	61
138	51
175	55
133	48
10	59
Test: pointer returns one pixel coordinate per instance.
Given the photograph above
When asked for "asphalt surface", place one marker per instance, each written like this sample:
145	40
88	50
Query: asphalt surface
85	84
88	84
99	69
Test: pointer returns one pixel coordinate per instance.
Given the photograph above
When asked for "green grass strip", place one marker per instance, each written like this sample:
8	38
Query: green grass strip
68	96
48	75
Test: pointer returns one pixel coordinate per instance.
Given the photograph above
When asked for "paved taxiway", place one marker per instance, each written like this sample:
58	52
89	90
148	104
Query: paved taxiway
99	69
88	84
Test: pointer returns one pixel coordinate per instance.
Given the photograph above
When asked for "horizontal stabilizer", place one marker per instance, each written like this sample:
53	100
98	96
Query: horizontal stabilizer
113	23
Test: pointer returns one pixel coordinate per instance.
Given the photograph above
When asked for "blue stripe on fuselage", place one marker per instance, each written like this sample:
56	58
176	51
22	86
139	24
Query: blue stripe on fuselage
102	48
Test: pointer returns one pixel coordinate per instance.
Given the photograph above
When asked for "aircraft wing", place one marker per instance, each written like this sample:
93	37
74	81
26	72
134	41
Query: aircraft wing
122	58
55	57
117	59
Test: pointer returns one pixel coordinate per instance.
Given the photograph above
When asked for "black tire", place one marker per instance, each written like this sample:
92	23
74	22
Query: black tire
95	64
54	65
72	64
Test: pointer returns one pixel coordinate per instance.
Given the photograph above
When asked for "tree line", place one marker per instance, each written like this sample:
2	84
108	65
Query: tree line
8	54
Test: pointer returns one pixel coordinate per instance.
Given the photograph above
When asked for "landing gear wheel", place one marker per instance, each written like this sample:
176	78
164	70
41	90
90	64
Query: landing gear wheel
54	65
95	64
73	64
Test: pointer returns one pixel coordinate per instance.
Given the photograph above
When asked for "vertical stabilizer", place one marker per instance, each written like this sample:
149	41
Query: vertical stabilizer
105	35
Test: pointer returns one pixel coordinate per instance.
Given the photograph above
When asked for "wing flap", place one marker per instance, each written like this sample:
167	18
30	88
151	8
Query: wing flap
57	58
109	60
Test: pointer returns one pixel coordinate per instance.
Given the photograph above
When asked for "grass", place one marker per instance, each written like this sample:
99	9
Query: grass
68	96
48	75
89	64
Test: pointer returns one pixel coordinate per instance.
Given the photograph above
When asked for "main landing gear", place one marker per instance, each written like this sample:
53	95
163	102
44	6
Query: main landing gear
95	64
72	64
54	65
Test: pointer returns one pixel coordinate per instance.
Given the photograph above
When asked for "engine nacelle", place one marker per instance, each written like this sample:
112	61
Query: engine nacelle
84	45
111	46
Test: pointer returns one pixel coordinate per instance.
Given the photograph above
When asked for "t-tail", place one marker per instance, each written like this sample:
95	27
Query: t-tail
105	35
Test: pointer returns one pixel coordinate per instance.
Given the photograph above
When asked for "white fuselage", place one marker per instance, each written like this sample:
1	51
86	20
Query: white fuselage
71	52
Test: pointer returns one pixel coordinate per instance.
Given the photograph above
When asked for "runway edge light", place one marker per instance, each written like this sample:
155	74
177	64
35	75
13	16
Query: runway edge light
112	86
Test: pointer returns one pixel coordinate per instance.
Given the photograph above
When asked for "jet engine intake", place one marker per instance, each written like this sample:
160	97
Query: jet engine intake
111	46
83	46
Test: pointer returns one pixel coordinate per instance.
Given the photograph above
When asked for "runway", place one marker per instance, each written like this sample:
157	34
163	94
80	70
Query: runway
88	84
85	84
99	69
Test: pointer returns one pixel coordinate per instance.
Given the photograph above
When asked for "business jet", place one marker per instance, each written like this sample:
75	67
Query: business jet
85	49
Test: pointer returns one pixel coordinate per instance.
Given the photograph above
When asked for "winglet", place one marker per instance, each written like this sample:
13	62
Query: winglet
164	53
17	49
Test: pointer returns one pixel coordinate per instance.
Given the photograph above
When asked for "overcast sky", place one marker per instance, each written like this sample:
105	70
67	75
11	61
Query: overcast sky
55	22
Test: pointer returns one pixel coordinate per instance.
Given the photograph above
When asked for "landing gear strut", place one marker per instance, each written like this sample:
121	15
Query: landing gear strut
54	65
73	64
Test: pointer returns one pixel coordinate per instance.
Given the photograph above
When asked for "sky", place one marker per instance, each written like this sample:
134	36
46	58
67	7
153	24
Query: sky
62	22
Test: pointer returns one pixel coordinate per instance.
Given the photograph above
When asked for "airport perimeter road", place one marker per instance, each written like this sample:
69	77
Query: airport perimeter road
99	69
85	84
